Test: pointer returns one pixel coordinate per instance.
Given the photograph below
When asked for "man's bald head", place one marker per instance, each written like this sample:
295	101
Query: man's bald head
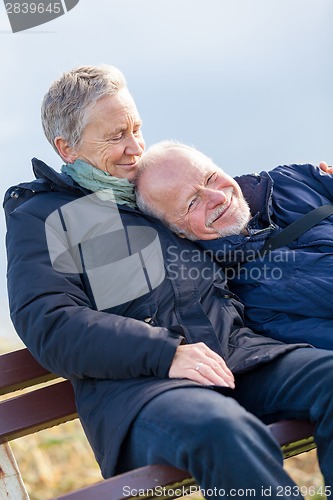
189	193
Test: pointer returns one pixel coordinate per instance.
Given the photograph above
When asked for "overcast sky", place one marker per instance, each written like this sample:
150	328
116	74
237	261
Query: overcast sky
249	82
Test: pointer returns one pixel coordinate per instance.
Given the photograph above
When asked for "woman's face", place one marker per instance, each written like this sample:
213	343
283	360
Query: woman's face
112	140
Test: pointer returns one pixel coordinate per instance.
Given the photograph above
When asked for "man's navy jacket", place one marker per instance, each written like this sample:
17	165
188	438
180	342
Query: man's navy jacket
288	293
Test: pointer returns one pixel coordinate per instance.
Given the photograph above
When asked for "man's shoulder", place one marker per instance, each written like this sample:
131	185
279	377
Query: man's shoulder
302	178
296	171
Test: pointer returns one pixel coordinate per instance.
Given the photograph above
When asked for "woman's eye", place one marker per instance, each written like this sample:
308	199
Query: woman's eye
211	178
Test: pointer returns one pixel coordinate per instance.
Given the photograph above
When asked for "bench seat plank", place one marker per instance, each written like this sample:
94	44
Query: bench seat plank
167	479
294	436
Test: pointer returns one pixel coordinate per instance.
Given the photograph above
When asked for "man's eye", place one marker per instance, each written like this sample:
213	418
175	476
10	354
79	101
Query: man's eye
191	204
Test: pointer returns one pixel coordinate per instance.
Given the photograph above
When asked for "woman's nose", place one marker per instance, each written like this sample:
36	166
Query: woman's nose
135	146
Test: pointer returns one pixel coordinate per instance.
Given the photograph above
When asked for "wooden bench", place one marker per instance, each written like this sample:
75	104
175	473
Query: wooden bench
53	404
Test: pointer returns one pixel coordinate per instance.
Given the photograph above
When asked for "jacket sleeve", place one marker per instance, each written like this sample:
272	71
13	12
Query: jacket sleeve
298	189
291	328
55	319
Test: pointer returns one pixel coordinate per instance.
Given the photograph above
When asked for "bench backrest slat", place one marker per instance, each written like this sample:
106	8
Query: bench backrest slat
19	369
36	410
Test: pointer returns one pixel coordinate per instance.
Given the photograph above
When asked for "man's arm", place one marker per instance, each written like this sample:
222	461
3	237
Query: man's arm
292	328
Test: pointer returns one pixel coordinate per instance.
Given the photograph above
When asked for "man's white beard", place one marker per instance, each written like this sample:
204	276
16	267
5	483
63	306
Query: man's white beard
242	220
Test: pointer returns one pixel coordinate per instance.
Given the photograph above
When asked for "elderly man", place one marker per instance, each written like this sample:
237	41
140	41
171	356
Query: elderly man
283	289
163	368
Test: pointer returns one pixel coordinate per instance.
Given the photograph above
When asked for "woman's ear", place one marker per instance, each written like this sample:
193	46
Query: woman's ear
66	152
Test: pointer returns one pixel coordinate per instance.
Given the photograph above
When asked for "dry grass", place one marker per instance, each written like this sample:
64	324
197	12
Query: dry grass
59	460
55	461
305	472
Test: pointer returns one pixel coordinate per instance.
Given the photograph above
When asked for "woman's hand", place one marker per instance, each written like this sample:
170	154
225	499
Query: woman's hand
199	363
325	168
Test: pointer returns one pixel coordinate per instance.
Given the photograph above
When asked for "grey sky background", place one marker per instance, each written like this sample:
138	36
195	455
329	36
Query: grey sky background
249	82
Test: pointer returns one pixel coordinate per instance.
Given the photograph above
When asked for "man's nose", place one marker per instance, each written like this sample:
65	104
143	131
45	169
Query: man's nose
135	146
215	197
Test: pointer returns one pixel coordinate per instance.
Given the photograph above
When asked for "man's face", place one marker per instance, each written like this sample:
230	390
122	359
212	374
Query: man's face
195	195
112	140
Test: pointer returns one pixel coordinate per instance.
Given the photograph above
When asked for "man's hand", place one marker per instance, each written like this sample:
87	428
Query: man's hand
199	363
325	168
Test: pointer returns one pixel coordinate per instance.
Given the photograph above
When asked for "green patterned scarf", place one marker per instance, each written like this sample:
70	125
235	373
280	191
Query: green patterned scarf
96	180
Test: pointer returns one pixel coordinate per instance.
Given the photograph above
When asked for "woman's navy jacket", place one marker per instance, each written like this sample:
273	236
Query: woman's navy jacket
75	268
288	293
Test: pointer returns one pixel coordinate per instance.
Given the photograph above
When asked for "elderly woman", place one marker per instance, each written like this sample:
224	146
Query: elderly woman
136	317
90	119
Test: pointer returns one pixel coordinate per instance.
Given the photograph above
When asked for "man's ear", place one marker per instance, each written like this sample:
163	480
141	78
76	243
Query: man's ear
67	153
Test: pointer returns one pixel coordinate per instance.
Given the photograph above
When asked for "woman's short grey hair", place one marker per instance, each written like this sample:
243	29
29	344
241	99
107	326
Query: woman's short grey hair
66	105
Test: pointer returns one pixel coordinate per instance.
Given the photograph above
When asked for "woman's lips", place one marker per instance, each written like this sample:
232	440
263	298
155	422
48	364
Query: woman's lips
127	165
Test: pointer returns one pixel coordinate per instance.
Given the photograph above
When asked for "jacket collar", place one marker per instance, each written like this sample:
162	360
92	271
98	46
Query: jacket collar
257	190
55	179
63	182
